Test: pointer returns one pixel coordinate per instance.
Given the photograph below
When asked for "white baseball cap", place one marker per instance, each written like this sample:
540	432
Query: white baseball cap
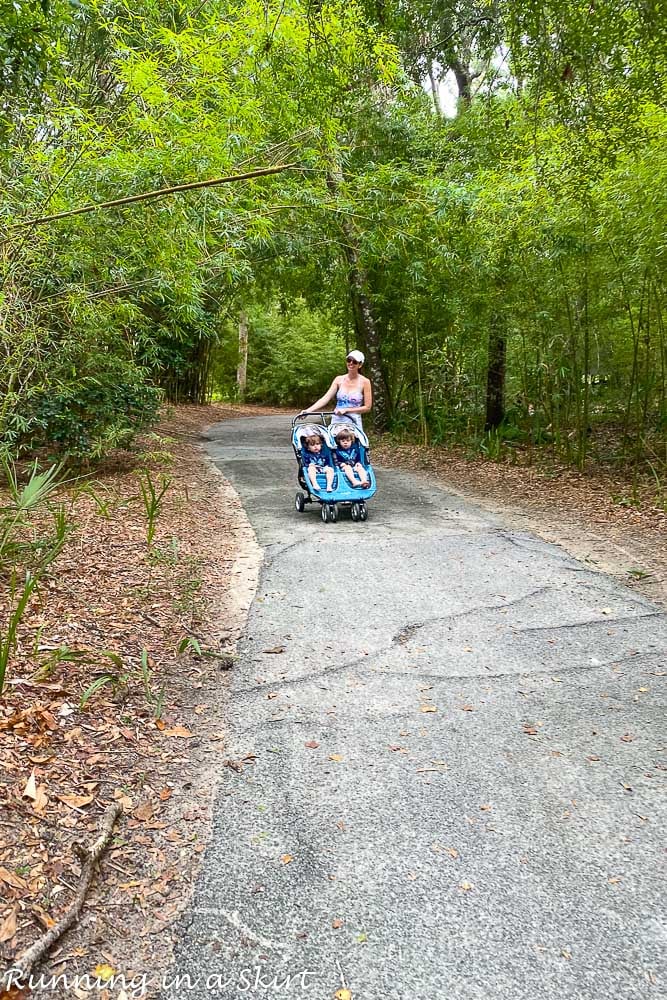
356	356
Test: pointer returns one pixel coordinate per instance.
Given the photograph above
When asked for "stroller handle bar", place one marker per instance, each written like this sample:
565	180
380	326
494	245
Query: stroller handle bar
313	413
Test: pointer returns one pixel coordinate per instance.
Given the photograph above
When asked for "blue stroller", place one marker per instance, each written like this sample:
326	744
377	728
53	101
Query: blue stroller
343	493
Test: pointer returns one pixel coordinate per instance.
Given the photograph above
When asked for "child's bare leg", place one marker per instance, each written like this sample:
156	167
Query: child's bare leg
363	475
312	475
329	473
349	472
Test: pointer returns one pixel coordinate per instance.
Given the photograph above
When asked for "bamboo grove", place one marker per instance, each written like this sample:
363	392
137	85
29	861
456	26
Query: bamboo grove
501	261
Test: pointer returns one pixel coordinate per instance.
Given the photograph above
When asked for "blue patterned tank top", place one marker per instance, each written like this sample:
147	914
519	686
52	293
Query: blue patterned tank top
350	398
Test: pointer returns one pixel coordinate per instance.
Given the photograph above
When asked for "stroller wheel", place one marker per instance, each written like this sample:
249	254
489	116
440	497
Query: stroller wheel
363	511
355	513
333	513
325	513
300	502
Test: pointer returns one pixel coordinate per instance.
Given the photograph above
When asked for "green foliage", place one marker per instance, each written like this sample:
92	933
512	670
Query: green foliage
90	417
121	679
26	549
293	354
152	497
537	212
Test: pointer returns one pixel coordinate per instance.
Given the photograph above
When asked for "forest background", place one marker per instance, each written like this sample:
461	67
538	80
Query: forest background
501	261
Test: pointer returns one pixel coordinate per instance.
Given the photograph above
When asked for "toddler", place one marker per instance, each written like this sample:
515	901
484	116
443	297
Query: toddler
314	461
348	457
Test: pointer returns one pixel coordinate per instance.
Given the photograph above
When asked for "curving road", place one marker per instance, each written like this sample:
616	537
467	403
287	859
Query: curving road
452	745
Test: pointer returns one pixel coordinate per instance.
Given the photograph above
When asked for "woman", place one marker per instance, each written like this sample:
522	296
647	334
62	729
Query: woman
353	392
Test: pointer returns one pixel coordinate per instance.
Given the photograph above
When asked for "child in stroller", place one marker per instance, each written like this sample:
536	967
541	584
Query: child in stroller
343	493
315	461
347	456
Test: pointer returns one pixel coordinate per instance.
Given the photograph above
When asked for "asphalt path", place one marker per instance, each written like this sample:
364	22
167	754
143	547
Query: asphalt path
451	754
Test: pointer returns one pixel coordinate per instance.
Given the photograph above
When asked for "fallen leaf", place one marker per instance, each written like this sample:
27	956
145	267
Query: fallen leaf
9	878
336	923
627	738
13	993
275	649
8	926
466	886
338	757
428	708
566	954
530	730
177	731
453	853
467	708
286	858
104	972
165	794
42	800
312	744
30	790
76	801
342	995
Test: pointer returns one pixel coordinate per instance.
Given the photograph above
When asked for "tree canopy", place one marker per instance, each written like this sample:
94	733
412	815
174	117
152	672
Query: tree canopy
515	245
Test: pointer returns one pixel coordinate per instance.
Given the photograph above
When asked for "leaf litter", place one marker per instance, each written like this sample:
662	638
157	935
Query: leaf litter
107	599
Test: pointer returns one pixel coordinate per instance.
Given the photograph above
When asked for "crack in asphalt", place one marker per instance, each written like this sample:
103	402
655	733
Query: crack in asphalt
350	664
592	621
580	669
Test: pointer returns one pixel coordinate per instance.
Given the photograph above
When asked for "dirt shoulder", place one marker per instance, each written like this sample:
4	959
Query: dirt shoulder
151	737
589	516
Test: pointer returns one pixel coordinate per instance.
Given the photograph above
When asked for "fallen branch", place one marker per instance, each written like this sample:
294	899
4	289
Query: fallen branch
90	857
158	193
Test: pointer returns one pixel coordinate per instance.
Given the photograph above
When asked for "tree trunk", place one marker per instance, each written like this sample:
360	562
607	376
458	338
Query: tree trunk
242	370
464	79
434	88
495	377
362	311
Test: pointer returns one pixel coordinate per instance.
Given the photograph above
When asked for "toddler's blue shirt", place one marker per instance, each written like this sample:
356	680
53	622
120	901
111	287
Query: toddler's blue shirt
348	456
319	459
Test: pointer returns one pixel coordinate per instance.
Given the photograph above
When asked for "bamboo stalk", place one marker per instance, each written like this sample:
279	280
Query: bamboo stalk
158	193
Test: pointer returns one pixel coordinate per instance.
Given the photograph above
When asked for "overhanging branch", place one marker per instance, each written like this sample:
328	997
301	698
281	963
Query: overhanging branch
159	193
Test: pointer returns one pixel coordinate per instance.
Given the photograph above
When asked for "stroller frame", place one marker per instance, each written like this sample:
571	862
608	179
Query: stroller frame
344	495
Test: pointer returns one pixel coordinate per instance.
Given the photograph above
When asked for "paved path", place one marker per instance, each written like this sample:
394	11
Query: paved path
478	814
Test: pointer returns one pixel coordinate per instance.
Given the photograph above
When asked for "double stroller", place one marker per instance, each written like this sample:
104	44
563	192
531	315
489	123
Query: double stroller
343	494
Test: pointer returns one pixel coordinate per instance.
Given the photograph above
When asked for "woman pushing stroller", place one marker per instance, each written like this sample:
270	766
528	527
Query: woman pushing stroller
333	458
353	392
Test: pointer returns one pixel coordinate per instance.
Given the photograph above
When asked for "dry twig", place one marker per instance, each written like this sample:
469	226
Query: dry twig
90	857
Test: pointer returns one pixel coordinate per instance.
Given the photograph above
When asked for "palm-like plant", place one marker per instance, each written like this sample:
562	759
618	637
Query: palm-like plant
25	561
